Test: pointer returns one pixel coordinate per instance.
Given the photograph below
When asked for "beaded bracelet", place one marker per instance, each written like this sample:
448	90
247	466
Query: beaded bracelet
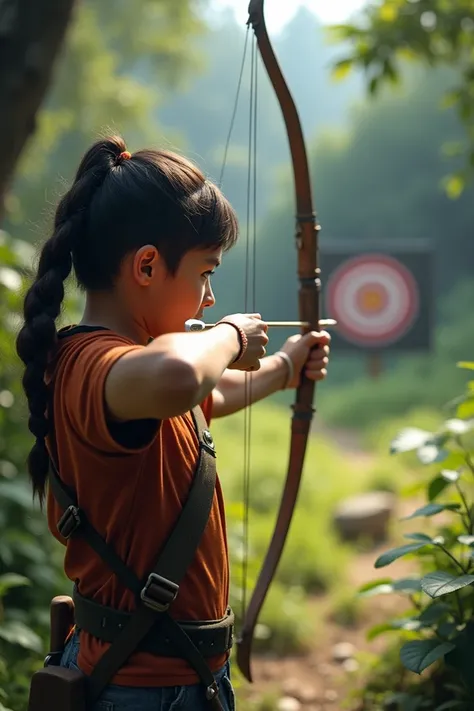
242	338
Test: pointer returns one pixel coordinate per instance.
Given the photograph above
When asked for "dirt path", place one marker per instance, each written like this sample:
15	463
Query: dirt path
320	680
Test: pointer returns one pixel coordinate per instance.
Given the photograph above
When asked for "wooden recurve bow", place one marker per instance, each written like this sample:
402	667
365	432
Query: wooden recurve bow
307	230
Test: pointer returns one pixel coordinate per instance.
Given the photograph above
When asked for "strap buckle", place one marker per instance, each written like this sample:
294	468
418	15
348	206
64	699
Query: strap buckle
69	521
53	659
212	691
230	637
159	592
207	443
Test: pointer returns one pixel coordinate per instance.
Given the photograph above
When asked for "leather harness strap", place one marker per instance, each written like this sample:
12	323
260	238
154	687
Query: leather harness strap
150	627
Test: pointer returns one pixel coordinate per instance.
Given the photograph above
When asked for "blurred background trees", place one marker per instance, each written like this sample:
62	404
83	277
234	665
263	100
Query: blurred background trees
391	147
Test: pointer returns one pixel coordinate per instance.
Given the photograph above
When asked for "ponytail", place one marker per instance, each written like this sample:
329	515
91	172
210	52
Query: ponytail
38	336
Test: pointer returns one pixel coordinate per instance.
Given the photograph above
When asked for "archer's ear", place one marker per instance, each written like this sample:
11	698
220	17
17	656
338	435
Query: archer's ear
145	263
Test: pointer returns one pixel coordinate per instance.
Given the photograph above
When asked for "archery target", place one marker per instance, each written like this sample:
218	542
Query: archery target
374	299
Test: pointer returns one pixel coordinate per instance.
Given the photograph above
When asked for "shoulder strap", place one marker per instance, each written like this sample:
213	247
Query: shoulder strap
180	549
162	585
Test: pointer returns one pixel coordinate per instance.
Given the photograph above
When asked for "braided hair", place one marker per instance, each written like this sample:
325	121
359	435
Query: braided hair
117	203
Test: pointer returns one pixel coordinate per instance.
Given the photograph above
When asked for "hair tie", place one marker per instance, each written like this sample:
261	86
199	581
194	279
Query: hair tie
124	155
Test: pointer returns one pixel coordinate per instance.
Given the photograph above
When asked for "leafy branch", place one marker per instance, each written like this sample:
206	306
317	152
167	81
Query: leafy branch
443	597
394	33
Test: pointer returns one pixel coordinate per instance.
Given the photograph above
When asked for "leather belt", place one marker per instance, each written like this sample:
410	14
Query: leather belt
211	637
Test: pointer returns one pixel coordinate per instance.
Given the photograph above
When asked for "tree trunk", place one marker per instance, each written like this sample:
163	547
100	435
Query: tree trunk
31	35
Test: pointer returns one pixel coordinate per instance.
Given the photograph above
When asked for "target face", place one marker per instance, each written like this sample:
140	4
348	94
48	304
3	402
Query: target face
374	299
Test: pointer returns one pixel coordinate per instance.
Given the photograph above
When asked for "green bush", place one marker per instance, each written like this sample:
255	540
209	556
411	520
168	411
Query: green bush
30	559
438	631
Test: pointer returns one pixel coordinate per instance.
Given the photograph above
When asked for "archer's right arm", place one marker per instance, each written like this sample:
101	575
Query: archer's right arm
178	371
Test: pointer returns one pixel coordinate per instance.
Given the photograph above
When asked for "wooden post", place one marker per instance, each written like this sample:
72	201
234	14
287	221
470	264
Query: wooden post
375	364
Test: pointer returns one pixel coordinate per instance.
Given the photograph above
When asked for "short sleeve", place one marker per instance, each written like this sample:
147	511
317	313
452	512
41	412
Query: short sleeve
206	407
79	396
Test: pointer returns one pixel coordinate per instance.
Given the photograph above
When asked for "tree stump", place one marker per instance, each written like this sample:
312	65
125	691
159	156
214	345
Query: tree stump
365	516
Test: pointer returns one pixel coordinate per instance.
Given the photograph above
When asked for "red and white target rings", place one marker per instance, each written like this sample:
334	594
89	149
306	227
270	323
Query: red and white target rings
374	299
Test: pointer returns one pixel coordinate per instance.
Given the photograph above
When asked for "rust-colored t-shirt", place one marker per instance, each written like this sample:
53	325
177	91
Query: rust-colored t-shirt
131	479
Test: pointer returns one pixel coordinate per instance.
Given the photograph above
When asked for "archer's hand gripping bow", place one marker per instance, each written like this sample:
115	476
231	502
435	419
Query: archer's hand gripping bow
309	312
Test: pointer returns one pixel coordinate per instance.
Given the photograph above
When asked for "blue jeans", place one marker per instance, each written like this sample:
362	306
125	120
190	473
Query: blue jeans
171	698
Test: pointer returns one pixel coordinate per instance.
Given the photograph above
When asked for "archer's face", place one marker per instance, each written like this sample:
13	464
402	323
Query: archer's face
176	298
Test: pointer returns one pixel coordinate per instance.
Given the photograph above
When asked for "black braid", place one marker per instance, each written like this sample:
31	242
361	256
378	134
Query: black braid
38	336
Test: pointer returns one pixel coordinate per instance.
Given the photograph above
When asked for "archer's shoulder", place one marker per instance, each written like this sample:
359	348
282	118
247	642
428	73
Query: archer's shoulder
78	337
88	345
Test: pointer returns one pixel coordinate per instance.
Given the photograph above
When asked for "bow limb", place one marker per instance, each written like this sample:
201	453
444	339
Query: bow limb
308	274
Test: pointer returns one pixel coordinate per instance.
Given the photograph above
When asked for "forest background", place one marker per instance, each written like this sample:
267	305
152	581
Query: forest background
393	165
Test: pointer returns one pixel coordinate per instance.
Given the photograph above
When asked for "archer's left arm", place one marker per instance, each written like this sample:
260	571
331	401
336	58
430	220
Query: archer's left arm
309	353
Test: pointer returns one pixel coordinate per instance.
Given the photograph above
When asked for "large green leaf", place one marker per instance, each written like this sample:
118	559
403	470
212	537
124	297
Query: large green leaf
431	510
420	654
407	585
17	492
408	624
17	633
434	613
386	586
441	583
395	553
12	580
453	704
418	537
436	487
372	587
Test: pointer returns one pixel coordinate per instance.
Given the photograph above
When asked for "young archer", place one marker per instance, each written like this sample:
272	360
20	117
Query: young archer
110	398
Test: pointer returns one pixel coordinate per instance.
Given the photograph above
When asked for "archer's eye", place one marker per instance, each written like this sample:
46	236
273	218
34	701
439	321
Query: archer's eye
208	274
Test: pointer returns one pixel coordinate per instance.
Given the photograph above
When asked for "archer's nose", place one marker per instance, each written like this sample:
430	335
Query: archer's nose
209	298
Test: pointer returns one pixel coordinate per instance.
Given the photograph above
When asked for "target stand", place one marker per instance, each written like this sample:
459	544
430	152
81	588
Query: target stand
380	295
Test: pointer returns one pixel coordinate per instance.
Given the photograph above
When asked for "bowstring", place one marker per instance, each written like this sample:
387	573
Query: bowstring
234	110
250	306
250	283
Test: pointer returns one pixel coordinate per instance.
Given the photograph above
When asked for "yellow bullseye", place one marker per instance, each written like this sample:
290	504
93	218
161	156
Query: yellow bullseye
372	301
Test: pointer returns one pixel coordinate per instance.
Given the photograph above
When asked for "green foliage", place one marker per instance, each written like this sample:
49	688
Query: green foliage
30	559
346	609
116	66
381	672
438	631
394	33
